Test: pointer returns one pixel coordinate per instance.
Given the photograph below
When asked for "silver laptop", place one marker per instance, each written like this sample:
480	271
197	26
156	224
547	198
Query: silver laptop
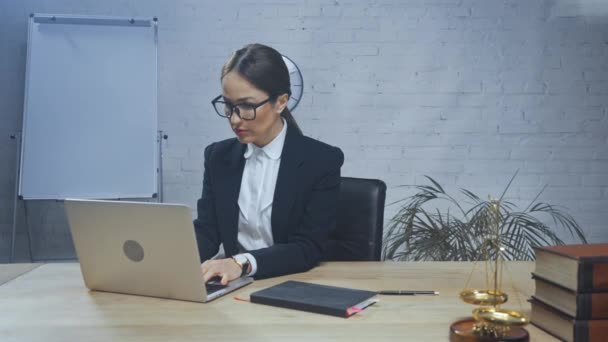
146	249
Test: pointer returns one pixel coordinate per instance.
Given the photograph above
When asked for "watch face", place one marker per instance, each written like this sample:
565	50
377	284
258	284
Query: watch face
297	83
241	258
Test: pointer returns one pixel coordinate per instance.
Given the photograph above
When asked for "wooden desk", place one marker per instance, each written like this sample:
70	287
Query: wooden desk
9	272
51	303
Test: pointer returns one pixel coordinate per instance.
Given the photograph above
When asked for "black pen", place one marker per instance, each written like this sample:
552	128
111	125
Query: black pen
407	293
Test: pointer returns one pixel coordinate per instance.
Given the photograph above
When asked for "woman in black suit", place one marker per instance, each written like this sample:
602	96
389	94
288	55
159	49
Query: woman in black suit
270	194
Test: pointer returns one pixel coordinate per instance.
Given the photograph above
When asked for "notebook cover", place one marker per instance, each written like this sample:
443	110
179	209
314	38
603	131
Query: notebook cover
323	299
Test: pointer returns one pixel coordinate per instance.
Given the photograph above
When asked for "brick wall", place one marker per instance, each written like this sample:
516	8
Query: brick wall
464	91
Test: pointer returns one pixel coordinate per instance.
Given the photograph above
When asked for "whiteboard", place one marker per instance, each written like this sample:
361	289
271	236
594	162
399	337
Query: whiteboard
90	124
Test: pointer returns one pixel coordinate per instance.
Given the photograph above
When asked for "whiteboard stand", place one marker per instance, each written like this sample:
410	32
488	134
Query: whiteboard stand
161	136
56	161
17	137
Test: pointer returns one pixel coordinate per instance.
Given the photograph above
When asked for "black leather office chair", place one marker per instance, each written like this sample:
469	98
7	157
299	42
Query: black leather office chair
360	221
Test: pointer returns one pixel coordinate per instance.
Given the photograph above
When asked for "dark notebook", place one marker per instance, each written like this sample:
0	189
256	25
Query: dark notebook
323	299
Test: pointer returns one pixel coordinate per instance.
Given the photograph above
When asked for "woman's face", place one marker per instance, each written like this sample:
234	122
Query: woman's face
267	124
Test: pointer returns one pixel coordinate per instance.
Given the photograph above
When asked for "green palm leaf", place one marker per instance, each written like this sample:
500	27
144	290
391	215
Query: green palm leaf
420	232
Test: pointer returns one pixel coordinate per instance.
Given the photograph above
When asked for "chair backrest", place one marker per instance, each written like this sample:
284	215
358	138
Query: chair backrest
360	221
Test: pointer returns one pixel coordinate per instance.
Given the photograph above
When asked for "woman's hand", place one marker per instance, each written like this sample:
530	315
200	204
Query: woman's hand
227	269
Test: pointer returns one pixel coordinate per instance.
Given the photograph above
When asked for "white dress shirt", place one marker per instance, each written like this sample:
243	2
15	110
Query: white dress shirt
256	195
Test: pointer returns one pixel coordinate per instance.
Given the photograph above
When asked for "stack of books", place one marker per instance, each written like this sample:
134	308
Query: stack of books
571	297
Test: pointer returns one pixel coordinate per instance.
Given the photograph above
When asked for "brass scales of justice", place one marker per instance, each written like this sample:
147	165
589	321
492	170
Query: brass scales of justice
490	322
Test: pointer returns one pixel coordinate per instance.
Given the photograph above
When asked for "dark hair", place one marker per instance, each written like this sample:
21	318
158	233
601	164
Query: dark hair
263	67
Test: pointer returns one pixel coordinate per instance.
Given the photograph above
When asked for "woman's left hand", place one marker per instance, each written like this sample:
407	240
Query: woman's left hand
227	269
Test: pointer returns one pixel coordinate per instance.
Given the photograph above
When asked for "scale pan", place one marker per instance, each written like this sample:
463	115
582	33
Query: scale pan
500	317
483	297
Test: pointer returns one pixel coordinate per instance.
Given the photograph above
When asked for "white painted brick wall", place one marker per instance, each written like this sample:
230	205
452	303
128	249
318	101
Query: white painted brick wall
465	91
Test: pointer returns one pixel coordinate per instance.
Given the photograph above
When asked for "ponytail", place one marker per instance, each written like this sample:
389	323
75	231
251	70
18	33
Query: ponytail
291	121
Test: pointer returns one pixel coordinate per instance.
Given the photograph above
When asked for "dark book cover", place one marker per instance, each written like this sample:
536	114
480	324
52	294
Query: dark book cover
323	299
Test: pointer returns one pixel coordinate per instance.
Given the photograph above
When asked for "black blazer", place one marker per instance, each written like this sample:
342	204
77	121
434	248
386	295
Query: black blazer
303	208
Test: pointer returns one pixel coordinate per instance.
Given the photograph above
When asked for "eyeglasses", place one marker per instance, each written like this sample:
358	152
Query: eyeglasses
245	111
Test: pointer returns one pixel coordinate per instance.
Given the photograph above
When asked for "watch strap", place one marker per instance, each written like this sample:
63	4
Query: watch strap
243	265
245	268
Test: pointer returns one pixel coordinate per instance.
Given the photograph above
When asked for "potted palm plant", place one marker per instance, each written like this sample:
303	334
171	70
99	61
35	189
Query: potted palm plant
421	232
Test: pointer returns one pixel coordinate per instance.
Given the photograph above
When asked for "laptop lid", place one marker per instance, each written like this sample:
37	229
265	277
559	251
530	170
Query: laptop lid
139	248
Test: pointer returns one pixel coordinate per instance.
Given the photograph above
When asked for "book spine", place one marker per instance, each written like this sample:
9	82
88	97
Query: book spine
592	305
581	331
298	306
592	276
585	277
584	306
590	331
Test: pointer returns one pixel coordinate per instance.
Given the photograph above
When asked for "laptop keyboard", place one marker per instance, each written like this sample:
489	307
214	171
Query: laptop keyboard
214	287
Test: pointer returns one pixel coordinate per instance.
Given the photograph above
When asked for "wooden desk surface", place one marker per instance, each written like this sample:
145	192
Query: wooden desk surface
51	303
9	272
